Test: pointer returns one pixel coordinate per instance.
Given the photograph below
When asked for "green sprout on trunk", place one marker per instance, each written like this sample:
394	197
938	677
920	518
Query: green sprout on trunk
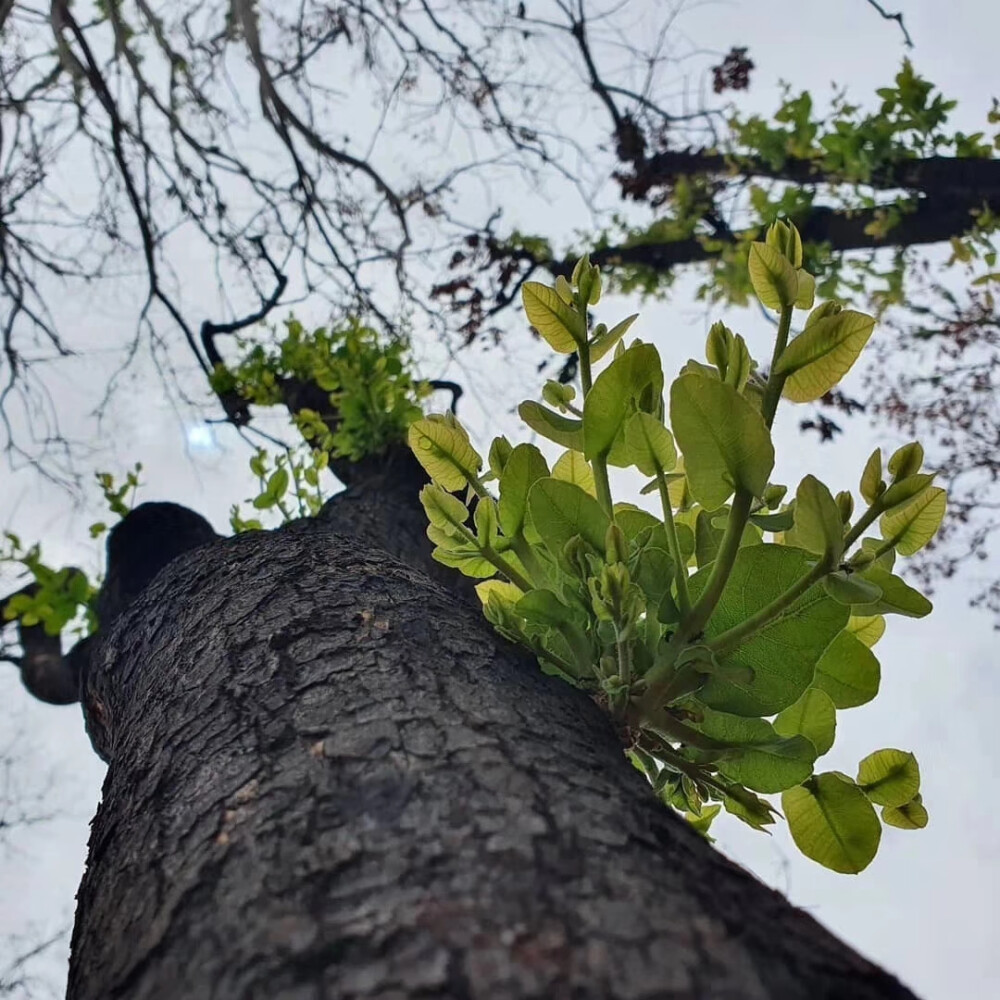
723	632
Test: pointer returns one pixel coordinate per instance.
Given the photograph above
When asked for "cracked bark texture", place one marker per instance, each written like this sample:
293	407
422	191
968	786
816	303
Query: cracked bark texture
330	779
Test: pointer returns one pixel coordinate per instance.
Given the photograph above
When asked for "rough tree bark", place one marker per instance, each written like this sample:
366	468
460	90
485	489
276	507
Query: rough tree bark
329	779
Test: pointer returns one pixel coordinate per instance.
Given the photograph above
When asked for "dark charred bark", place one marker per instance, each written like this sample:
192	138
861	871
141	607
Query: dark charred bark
330	779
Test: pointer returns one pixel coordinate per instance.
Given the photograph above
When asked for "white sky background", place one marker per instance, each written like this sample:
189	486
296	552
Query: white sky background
925	909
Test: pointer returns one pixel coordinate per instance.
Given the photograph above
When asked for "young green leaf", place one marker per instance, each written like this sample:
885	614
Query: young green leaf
911	527
897	598
633	381
911	816
560	510
813	716
725	442
507	593
868	629
889	777
444	511
561	326
872	485
572	467
762	760
904	490
774	279
443	449
906	461
567	431
819	357
832	822
848	672
602	343
524	468
851	588
486	522
649	445
818	527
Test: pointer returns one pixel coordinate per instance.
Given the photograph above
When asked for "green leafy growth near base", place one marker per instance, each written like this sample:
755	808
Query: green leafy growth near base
723	632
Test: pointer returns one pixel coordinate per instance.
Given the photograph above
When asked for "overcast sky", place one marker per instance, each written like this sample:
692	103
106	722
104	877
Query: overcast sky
926	907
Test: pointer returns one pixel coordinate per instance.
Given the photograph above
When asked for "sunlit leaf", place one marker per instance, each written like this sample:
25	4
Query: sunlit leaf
889	777
832	822
725	441
813	716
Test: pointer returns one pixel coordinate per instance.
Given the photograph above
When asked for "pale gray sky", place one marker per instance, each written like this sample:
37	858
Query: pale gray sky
926	907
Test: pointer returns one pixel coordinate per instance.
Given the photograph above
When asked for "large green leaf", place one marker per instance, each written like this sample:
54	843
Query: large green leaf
524	468
560	510
650	446
889	777
848	672
911	527
774	279
832	822
813	716
443	449
819	357
784	654
567	431
561	326
725	441
764	761
632	382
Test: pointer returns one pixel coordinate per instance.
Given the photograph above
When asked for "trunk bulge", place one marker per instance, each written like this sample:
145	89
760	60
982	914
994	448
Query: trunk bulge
330	779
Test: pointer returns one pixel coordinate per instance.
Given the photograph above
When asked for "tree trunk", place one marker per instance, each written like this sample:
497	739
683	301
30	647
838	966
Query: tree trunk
330	779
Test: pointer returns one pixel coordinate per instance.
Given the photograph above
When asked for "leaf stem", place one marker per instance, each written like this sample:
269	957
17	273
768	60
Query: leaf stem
680	570
776	382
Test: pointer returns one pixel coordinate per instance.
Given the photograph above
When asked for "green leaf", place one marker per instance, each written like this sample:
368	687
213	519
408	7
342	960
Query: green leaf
897	597
912	816
868	629
832	822
784	654
508	593
444	511
889	777
779	522
486	522
911	527
807	290
906	489
443	449
277	484
468	561
813	716
560	510
500	451
763	760
567	431
850	588
725	441
818	527
600	345
848	672
774	279
753	810
561	326
524	468
871	478
906	461
633	381
543	607
819	357
572	467
654	573
649	445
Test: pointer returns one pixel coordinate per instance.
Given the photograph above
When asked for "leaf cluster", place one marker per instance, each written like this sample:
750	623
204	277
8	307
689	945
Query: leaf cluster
724	632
